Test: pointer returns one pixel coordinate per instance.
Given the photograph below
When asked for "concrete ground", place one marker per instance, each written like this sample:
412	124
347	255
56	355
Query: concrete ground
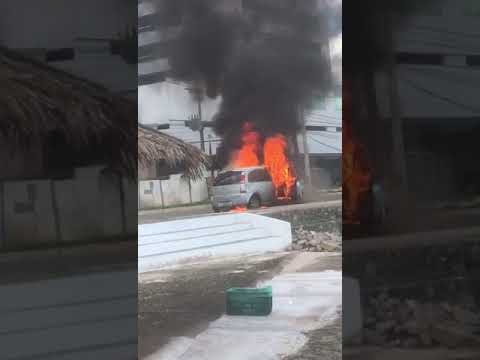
178	307
157	215
35	265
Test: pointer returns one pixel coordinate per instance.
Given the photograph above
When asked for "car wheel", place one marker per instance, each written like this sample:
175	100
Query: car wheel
254	202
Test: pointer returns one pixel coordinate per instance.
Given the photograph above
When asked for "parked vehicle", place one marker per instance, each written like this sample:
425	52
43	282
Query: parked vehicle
251	187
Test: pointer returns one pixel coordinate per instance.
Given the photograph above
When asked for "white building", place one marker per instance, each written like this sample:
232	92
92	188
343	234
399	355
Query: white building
162	102
438	81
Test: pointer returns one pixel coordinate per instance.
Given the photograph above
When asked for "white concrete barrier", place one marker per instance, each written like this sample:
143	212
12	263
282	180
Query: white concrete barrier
91	316
169	242
352	310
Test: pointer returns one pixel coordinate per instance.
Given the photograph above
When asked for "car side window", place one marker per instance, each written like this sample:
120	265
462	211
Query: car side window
266	176
254	176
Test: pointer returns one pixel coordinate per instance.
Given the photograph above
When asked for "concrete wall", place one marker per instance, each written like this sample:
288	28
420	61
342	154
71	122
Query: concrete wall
20	163
89	206
172	192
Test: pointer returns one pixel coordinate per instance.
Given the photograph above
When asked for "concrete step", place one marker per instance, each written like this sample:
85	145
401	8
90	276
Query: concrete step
59	319
166	243
200	232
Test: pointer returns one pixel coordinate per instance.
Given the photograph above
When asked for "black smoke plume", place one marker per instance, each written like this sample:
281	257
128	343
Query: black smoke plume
262	75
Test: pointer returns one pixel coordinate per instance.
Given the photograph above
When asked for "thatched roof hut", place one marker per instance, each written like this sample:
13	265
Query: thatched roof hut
154	146
36	100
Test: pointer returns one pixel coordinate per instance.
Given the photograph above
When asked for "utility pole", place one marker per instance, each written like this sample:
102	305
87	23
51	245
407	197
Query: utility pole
202	135
212	170
398	174
306	153
197	93
399	167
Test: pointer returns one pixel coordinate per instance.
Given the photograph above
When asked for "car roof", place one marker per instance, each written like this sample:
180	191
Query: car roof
245	168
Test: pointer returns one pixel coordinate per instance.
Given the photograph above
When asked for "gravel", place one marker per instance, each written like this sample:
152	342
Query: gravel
324	343
392	321
309	240
315	229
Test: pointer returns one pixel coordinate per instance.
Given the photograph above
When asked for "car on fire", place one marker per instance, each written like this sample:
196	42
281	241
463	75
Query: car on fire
250	187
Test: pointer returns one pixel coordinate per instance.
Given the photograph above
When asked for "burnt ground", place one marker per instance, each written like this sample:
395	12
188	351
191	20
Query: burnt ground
182	301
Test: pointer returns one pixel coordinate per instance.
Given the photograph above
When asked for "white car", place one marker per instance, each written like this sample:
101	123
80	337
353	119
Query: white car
251	187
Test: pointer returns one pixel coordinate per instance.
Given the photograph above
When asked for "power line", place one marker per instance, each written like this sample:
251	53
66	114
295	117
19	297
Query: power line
324	119
323	122
445	31
439	67
445	45
443	98
315	113
430	73
329	146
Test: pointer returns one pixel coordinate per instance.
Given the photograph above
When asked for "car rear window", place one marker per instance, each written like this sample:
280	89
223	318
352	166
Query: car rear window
228	178
259	175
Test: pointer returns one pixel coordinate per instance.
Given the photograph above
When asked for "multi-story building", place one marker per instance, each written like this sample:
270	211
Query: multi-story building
162	99
438	73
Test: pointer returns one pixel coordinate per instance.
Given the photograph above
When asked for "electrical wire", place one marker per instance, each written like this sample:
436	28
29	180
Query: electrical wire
445	31
431	73
439	67
315	113
443	98
445	45
321	143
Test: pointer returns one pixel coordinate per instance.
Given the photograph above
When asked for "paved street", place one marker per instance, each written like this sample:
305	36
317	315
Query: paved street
157	215
177	305
26	266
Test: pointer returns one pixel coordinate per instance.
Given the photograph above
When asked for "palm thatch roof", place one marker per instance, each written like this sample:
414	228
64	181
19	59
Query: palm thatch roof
36	99
156	146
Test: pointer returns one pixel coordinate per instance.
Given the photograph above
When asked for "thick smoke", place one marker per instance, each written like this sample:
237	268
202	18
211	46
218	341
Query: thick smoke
264	63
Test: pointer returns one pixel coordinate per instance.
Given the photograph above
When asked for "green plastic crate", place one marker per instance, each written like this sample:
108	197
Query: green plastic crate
249	301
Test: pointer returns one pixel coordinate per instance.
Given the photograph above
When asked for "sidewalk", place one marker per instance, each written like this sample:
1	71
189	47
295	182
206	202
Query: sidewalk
307	297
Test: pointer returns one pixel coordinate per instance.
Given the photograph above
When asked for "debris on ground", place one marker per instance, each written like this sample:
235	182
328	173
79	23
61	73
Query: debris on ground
391	321
309	240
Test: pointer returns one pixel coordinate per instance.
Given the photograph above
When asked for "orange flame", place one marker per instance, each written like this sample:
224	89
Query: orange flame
356	178
248	154
278	165
275	159
239	209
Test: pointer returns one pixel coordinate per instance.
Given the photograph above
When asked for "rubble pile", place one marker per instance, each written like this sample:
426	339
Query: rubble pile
309	240
390	321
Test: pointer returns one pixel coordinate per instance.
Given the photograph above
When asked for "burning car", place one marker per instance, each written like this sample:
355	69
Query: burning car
250	187
259	172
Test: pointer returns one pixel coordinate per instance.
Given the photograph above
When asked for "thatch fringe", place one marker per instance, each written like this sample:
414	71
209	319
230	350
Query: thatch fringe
36	99
154	146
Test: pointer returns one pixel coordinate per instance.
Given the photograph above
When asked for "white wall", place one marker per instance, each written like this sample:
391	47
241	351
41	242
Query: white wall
89	208
27	220
172	192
